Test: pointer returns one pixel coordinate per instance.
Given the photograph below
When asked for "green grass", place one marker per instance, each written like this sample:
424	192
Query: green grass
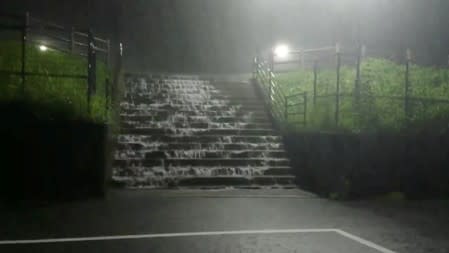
379	77
61	97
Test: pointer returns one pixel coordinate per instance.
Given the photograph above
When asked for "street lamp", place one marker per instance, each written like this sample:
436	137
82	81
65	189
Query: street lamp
281	51
43	48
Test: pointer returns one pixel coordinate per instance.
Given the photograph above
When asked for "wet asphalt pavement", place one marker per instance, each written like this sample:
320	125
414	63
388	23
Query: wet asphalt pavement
392	226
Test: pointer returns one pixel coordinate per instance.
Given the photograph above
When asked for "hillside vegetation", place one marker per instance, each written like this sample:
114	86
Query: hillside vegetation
51	97
381	104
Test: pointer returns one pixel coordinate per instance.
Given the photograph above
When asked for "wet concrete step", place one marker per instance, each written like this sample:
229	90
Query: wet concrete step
228	139
236	162
164	116
198	125
174	171
192	95
137	146
219	99
241	112
198	131
196	109
227	103
199	154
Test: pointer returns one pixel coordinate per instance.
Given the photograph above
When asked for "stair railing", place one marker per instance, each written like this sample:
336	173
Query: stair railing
277	102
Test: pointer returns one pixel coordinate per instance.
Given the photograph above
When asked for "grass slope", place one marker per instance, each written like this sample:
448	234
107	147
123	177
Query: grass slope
381	81
50	97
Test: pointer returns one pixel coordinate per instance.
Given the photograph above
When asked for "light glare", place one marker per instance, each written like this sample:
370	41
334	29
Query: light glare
43	48
281	51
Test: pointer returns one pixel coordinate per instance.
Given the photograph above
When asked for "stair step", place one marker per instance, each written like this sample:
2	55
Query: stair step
164	116
209	110
164	113
195	125
198	131
208	104
201	162
134	146
236	139
199	154
216	96
175	171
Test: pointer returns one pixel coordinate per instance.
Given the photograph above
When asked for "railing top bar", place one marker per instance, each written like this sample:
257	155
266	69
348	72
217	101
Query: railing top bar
48	24
82	34
296	95
294	105
313	50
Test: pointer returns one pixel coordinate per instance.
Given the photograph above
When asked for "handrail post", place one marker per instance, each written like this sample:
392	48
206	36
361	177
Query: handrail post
91	68
72	40
270	77
107	96
315	79
337	95
305	108
407	86
357	84
24	43
108	54
255	68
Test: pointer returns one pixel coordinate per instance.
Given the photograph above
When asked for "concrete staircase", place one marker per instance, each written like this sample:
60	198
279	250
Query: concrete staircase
183	131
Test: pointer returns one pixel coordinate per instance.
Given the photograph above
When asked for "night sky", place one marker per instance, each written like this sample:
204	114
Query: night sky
222	36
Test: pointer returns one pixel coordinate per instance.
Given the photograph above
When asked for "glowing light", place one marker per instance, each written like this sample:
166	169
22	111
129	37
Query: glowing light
281	51
43	48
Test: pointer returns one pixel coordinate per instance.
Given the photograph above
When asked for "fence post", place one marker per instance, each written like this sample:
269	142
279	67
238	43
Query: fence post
117	69
357	91
107	95
407	86
357	75
72	40
286	108
108	54
315	79
337	95
91	68
255	67
303	60
24	43
305	108
270	77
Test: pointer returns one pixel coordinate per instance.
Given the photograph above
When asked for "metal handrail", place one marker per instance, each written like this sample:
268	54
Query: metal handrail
272	94
275	98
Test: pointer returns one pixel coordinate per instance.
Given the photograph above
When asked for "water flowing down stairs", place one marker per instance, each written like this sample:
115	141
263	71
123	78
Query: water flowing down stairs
183	131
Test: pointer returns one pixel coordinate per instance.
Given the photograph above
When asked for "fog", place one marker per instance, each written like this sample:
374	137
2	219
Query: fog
222	36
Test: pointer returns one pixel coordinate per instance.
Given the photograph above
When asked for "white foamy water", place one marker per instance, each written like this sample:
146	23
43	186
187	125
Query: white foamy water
187	112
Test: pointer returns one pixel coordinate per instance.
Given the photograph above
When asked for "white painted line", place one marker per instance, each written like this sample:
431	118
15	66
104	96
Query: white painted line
364	242
148	236
210	233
